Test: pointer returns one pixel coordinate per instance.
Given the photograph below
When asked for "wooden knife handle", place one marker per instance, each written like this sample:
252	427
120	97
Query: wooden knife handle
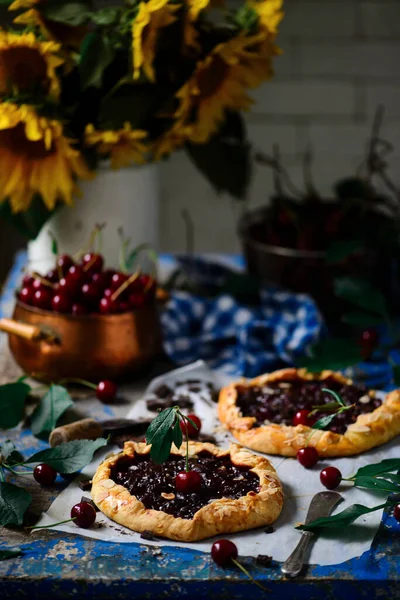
29	332
86	429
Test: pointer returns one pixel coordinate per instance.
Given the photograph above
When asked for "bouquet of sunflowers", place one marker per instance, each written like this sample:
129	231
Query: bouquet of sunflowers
129	84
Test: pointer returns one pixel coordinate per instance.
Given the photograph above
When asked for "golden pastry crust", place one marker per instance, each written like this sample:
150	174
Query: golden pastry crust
370	430
223	515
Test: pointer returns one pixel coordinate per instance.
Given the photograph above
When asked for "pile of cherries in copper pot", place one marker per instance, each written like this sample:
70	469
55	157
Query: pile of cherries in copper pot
84	287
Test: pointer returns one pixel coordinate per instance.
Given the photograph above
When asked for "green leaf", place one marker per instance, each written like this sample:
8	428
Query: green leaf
339	251
30	222
374	483
105	16
361	293
324	422
359	319
97	54
50	409
14	502
6	554
393	477
12	401
246	18
54	246
69	13
332	353
10	454
337	397
159	427
70	456
385	466
177	436
342	519
160	450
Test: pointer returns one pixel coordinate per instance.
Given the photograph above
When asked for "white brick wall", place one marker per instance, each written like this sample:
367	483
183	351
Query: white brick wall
341	59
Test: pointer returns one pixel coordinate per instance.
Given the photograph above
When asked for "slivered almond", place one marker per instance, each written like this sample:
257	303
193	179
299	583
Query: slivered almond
355	428
108	483
283	384
170	496
365	399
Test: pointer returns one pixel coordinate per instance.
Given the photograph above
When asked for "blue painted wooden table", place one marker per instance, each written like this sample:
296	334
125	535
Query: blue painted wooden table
56	565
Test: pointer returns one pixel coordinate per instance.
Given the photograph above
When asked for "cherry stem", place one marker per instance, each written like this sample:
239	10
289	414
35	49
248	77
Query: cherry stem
84	382
125	285
187	445
52	525
43	280
246	572
6	466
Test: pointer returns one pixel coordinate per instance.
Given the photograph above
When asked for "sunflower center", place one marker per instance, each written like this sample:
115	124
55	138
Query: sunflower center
22	67
210	79
16	141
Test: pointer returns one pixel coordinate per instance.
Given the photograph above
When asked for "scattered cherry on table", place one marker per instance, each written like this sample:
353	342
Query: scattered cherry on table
330	477
188	482
106	390
45	474
83	514
308	457
223	551
192	432
396	512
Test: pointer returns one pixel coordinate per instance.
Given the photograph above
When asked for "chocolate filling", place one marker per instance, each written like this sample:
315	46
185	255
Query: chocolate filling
154	485
279	402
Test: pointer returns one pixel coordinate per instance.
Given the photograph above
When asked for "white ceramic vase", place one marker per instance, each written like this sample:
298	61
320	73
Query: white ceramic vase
126	198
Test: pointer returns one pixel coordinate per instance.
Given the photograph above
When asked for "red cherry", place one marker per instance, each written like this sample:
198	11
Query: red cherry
124	307
37	284
192	431
42	298
369	341
101	279
108	306
79	309
90	293
45	474
92	263
222	552
302	418
106	390
330	477
26	295
28	281
396	512
64	262
52	276
188	482
117	280
107	293
68	286
137	299
61	303
76	272
84	514
308	457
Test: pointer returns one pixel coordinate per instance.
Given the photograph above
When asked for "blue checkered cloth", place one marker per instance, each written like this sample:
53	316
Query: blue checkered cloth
237	339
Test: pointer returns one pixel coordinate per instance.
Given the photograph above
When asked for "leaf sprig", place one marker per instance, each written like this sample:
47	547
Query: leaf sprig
338	407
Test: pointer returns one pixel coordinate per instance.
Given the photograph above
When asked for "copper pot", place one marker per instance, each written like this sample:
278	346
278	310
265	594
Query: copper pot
51	347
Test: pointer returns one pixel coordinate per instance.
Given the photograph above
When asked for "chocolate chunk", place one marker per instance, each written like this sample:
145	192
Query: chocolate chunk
148	535
269	529
85	485
194	388
182	401
264	560
89	501
155	404
162	391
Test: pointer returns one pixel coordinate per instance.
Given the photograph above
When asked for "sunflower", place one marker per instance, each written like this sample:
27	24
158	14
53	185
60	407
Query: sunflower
171	140
36	158
68	35
269	13
218	83
152	16
124	145
193	10
27	64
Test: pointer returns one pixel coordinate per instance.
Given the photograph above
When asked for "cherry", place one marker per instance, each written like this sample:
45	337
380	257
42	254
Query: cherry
102	279
330	477
28	281
42	298
37	283
76	273
83	514
107	293
124	306
63	263
117	280
396	512
192	431
68	285
79	309
92	263
26	295
106	390
108	306
308	457
188	482
61	303
137	299
45	474
369	341
90	293
222	552
52	276
302	418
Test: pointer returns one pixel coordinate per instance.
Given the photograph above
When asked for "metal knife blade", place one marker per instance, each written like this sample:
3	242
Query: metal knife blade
321	505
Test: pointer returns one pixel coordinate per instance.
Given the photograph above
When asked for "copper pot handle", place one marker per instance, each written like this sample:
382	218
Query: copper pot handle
28	332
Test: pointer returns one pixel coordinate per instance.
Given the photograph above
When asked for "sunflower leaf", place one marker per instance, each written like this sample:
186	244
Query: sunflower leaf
69	13
97	54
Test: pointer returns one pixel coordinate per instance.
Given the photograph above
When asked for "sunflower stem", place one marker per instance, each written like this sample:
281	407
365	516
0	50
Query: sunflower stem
246	572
